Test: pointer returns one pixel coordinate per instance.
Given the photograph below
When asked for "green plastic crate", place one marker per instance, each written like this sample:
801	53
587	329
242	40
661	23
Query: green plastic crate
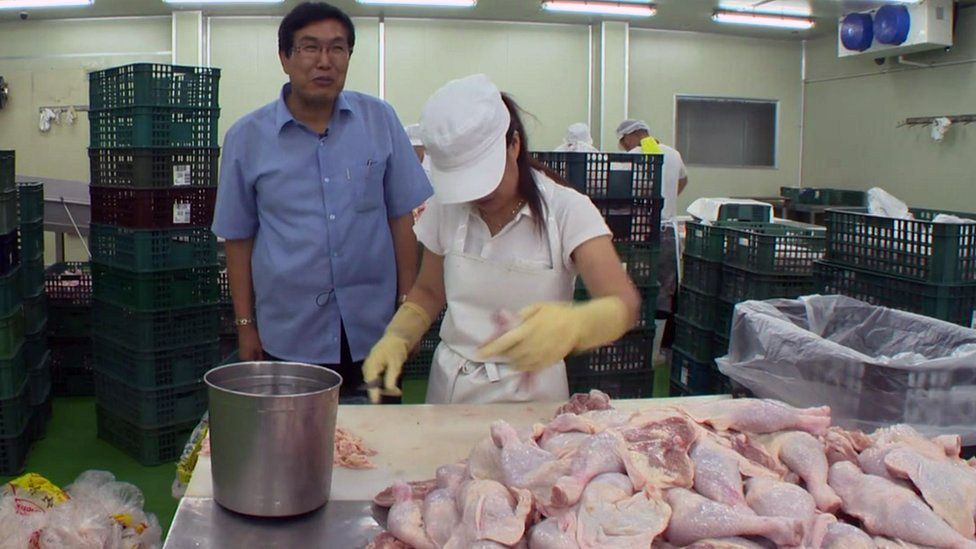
153	85
745	212
13	452
648	309
8	170
149	447
36	347
418	365
707	241
154	408
13	373
35	314
694	377
775	249
32	276
704	277
720	345
40	381
742	285
697	307
71	367
622	369
824	197
10	291
68	284
695	341
40	416
11	333
153	127
153	168
32	241
640	260
608	175
146	370
918	249
724	312
954	303
155	291
69	321
150	250
8	211
30	198
15	410
156	330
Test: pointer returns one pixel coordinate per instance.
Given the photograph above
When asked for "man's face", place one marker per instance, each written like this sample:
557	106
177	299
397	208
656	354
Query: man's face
318	63
632	140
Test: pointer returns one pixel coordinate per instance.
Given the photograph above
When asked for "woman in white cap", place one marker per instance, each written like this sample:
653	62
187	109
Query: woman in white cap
578	139
501	235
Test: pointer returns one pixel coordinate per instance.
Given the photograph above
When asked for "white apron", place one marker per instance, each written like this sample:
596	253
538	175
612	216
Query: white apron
475	289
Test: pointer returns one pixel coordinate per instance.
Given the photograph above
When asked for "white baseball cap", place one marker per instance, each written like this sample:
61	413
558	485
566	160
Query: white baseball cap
630	126
413	133
463	126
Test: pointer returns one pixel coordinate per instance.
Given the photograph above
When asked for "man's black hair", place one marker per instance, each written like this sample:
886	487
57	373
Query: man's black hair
307	13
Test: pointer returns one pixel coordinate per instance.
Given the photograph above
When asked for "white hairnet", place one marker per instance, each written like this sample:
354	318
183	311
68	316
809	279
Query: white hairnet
578	133
630	126
413	132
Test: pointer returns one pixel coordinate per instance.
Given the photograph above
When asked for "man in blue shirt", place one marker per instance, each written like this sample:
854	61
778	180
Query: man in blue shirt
315	199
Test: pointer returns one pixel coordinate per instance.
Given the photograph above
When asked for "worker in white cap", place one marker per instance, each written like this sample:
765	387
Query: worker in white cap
578	139
501	235
413	132
634	137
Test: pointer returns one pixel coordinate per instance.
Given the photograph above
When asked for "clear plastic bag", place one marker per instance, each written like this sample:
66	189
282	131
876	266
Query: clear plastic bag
872	365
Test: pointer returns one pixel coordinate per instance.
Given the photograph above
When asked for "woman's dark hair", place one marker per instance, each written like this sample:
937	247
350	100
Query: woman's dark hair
527	187
307	13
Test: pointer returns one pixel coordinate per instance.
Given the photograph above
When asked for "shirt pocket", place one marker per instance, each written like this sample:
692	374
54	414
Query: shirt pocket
370	174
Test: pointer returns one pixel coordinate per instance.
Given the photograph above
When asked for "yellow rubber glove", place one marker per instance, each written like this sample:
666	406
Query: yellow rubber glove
408	326
550	331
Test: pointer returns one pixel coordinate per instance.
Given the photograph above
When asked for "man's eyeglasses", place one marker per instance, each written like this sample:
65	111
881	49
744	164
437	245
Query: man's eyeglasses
313	50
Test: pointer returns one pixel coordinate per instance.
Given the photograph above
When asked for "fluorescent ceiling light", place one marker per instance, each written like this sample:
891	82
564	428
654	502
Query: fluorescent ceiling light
23	4
198	2
629	9
431	3
761	20
798	9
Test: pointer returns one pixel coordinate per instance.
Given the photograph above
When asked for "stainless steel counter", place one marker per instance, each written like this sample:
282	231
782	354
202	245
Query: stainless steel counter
202	523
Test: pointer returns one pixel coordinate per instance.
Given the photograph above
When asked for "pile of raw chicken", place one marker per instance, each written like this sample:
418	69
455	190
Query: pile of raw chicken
746	473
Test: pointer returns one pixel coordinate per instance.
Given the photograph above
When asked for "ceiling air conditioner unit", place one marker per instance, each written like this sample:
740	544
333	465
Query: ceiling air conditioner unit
896	29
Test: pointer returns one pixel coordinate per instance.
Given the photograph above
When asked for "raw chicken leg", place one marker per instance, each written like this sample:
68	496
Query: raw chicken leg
405	520
760	416
485	461
843	445
612	516
844	536
724	543
441	515
695	517
450	477
889	510
557	532
948	488
525	465
907	435
717	474
773	498
805	456
599	454
490	513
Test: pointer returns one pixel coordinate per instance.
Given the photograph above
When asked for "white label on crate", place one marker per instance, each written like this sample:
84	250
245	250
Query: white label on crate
181	213
181	175
972	322
621	166
743	241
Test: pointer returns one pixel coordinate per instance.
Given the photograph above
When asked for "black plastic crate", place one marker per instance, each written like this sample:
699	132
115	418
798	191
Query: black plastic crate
15	411
40	382
68	284
640	260
724	312
13	452
147	370
149	409
695	341
32	241
952	303
71	367
622	369
30	202
918	249
774	249
174	208
35	314
9	252
40	416
223	281
697	307
152	250
705	277
745	212
418	365
742	285
153	85
153	168
608	175
156	330
694	377
648	309
148	446
11	334
32	280
69	321
13	374
155	127
824	197
155	291
228	327
720	346
8	211
632	220
10	292
8	170
35	348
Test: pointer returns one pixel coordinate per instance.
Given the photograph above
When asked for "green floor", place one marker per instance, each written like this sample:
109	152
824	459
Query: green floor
70	448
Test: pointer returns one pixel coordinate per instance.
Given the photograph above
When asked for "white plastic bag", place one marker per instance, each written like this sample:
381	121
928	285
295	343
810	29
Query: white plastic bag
883	203
872	365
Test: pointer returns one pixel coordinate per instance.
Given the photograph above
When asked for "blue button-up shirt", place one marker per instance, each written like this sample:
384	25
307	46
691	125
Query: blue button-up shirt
317	207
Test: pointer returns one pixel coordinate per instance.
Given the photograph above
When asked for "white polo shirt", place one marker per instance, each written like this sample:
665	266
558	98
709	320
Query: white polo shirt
519	243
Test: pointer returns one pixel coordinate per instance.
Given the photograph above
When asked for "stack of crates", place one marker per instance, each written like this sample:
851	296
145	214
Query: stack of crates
15	395
916	265
35	349
228	329
69	294
154	259
725	263
626	188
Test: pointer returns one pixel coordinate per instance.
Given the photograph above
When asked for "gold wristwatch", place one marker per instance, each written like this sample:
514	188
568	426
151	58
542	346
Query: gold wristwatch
243	322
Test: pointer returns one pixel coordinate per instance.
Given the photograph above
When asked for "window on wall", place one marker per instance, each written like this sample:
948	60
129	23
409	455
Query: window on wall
716	131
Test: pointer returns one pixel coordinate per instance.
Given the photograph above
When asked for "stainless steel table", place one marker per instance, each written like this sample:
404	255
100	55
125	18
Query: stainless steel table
202	523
